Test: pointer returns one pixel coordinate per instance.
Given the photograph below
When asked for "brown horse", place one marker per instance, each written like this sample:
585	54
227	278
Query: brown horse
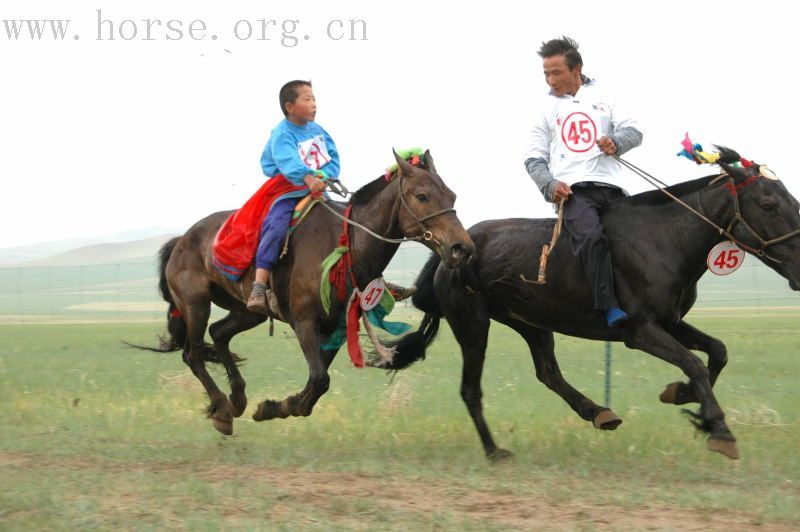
413	202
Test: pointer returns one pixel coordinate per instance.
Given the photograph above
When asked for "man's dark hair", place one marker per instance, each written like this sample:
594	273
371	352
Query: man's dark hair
563	46
289	93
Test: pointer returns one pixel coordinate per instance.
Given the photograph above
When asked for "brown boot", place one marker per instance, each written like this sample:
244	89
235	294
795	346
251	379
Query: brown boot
258	301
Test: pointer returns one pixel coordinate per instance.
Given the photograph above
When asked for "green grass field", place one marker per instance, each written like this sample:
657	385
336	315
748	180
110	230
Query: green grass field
95	435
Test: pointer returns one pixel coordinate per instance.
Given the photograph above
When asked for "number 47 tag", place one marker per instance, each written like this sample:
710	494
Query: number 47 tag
725	258
372	294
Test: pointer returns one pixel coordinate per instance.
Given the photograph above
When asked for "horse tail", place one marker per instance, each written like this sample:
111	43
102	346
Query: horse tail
176	325
411	347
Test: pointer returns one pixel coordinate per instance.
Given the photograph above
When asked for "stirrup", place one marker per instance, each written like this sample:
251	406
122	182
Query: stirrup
272	303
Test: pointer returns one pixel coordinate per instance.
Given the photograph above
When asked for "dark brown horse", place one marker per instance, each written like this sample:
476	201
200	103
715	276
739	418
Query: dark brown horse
413	202
659	251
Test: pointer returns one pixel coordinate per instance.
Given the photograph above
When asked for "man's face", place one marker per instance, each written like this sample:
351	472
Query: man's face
304	108
559	77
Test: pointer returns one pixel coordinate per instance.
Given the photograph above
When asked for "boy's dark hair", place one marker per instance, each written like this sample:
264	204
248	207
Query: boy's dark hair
289	94
563	46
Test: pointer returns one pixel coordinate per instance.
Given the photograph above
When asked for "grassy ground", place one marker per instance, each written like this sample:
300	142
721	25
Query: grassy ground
97	435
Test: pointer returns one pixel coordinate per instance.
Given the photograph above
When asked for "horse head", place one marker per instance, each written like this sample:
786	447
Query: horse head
767	218
426	211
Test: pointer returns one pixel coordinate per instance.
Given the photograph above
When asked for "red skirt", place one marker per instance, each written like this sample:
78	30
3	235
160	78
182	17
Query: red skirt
236	242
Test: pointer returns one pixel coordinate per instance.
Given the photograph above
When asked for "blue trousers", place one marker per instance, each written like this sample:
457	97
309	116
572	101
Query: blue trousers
273	231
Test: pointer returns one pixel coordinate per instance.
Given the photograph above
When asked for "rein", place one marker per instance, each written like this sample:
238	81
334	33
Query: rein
737	218
426	235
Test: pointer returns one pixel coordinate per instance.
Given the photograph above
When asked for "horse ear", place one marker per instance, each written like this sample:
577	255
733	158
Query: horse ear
403	168
428	160
738	174
726	159
727	155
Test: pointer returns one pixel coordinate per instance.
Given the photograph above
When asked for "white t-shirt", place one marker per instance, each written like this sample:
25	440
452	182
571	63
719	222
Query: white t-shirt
565	135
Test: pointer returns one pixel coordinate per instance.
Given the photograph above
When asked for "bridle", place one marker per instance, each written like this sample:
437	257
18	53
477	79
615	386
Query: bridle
426	234
761	251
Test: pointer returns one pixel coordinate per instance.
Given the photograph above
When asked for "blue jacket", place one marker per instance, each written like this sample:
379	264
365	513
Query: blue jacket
296	151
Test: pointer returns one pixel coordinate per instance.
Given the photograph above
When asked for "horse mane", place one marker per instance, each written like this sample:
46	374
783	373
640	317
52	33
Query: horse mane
652	198
656	197
365	194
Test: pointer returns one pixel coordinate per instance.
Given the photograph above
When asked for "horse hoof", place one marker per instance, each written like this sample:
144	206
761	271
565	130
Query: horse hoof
268	410
258	415
677	393
726	447
238	408
225	427
499	456
606	420
670	393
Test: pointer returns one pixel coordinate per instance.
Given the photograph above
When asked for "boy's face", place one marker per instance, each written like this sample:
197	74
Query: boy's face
304	108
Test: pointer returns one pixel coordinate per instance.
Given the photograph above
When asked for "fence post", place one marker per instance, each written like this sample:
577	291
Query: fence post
608	374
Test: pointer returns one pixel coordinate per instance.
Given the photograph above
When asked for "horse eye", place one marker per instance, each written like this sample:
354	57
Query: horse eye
769	207
422	197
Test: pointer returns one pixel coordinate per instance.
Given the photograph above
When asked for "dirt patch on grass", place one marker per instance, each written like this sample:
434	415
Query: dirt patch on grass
342	496
53	319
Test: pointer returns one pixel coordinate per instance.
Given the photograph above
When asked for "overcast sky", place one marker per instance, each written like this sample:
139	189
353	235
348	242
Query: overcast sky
100	136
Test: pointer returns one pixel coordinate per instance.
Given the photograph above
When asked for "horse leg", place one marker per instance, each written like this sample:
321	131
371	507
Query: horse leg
328	356
680	393
469	321
653	339
196	311
302	404
542	346
222	332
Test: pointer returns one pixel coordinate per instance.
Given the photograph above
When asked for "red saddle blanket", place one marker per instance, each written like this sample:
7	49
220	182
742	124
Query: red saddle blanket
236	242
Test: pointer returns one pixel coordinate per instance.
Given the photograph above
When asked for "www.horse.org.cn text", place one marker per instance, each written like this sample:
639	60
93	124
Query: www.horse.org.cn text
286	32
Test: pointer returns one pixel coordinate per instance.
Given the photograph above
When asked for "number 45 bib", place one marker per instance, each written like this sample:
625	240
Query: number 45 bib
578	132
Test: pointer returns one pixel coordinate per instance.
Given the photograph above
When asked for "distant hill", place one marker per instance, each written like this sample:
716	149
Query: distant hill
24	254
108	253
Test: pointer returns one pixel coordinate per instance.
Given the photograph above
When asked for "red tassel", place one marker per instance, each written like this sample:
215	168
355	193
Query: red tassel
353	345
175	313
338	273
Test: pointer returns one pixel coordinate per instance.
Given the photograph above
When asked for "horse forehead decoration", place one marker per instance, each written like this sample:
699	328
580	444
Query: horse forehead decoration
412	155
694	152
